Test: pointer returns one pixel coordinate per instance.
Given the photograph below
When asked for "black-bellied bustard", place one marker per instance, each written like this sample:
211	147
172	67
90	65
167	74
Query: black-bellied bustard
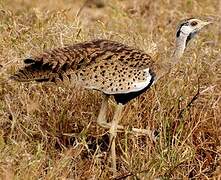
110	67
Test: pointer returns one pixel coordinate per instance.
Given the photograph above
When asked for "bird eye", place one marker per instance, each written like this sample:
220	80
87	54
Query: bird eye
194	23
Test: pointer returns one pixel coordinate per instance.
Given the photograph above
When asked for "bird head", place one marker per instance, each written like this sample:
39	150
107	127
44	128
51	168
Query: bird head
189	27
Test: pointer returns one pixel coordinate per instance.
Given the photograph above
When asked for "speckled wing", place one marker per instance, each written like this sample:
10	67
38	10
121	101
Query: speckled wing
114	77
127	55
57	64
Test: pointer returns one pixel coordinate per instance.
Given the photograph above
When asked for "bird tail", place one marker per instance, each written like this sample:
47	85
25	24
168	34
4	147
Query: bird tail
35	70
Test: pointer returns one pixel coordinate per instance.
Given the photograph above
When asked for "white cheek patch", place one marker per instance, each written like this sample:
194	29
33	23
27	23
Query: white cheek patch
186	29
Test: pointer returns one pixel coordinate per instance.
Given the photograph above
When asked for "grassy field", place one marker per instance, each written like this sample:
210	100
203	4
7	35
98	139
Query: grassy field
50	132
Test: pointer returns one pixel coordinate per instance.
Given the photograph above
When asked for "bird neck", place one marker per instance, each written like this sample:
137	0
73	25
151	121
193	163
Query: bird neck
181	43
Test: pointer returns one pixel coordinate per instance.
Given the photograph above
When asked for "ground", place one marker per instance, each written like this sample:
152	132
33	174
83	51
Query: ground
50	132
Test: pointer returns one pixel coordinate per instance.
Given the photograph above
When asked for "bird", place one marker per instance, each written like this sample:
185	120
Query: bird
111	67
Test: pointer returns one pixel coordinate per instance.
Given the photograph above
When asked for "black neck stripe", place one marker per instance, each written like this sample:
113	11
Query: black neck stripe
179	29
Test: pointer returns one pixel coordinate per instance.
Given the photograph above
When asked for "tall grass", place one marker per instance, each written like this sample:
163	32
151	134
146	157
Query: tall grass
50	132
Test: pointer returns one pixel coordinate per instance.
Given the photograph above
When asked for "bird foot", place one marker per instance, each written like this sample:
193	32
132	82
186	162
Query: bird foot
137	131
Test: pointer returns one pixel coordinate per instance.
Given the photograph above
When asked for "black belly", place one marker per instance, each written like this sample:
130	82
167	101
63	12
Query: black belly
126	97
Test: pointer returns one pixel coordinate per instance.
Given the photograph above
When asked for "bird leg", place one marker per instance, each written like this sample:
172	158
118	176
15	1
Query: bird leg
114	127
102	121
102	117
113	134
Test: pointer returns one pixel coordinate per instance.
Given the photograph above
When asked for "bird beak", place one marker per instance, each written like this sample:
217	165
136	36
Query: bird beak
203	24
206	23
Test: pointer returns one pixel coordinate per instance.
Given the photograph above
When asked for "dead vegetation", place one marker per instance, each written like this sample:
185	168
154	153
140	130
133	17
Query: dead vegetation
50	132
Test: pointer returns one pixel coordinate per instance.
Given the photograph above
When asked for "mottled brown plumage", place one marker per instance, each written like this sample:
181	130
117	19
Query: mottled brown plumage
104	65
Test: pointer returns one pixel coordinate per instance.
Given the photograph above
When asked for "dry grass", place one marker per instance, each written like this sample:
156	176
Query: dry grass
50	132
